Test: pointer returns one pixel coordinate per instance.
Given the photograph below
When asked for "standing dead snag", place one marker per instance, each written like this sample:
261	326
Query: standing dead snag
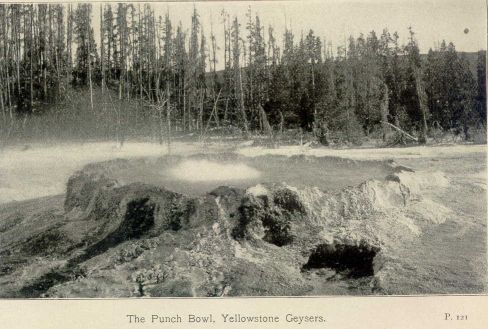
162	103
237	74
266	126
384	110
168	123
422	96
89	68
102	53
116	109
212	114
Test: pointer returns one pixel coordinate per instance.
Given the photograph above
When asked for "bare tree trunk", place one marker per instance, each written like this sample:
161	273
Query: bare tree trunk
117	114
7	55
184	109
9	96
1	99
266	126
69	39
89	70
102	50
5	60
282	123
46	55
423	105
226	109
161	124
140	55
17	48
189	117
31	49
384	112
200	115
214	112
243	110
401	131
168	117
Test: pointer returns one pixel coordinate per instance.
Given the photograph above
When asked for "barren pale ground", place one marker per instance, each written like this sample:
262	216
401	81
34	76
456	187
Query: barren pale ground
448	257
42	170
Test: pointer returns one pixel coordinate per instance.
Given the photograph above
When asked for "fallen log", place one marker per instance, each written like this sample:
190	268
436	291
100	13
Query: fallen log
400	131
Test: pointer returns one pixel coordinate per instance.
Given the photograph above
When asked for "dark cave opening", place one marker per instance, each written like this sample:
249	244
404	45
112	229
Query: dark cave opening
139	217
354	261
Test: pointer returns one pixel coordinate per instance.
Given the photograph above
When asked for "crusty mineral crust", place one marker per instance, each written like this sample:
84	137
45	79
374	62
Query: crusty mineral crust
114	240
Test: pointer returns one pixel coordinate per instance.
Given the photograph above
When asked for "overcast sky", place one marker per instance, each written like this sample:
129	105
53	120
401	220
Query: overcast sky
335	20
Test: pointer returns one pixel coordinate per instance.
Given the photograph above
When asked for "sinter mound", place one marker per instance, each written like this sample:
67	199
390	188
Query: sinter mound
115	239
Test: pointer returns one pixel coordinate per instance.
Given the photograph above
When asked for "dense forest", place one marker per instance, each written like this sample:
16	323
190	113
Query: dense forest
147	76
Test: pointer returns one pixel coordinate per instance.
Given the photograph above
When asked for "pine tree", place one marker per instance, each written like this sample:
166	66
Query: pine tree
86	51
481	86
410	97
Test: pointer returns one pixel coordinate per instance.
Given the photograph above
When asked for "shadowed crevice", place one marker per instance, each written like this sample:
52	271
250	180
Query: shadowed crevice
355	261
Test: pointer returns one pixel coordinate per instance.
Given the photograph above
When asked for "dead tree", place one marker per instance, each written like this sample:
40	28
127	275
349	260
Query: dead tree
422	96
384	111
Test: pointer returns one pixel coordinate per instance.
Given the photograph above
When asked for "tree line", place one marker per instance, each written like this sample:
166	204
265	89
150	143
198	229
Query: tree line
363	88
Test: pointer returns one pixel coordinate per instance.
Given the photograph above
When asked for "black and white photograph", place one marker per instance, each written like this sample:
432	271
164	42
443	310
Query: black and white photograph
243	149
